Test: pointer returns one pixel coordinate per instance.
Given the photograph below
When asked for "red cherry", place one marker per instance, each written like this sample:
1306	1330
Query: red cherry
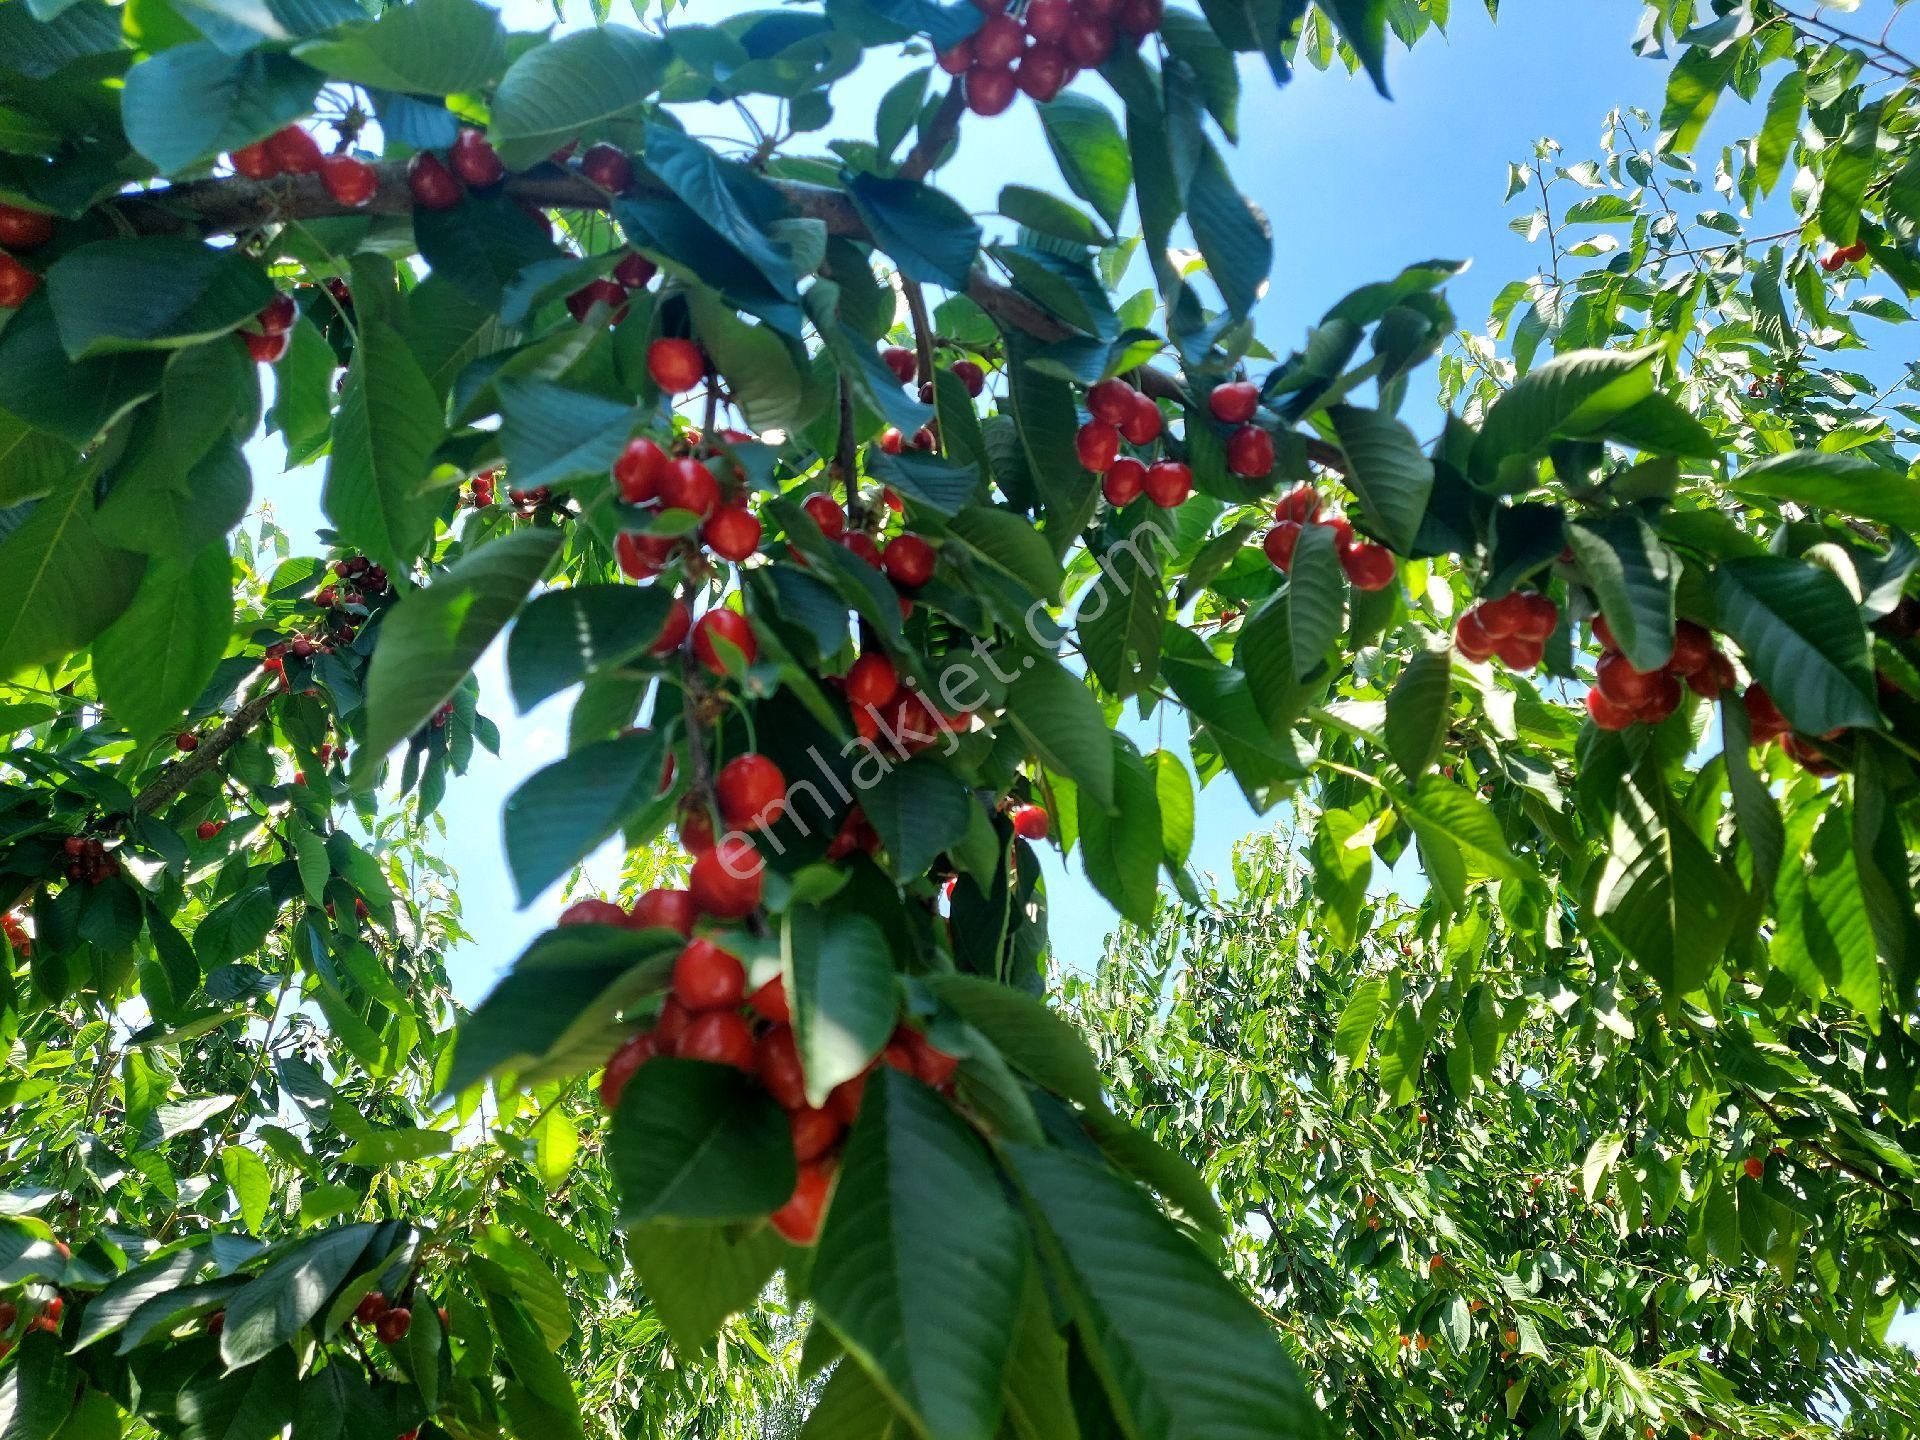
1031	822
24	229
187	742
1302	504
641	556
634	271
1342	529
956	60
1169	482
932	1065
769	1002
1125	479
970	375
902	362
602	292
254	161
1692	648
431	183
393	1326
998	42
752	792
733	533
1144	425
723	626
872	680
1518	654
719	1037
266	349
1603	633
593	912
1089	41
1280	543
923	438
371	1307
1501	618
1370	567
279	316
1138	18
639	469
814	1132
676	365
207	829
1713	677
634	1052
1234	402
1664	700
777	1062
1111	401
1604	713
475	160
689	485
673	632
1097	444
1623	684
861	544
1470	637
1041	74
891	440
1250	452
1048	19
1541	619
989	91
908	561
799	1219
608	167
726	880
831	519
294	151
348	179
706	977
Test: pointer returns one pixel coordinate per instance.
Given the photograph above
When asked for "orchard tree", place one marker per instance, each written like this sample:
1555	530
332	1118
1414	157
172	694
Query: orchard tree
855	584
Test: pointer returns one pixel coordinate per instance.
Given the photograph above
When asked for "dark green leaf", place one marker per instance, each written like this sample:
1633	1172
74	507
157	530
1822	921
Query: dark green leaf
566	635
1634	577
1387	470
841	989
564	810
698	1144
929	235
153	662
1802	637
383	442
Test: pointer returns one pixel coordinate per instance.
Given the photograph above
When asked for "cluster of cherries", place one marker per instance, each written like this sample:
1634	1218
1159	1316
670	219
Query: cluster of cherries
632	273
20	230
293	151
388	1321
884	708
1623	696
905	365
88	859
1039	52
1367	565
16	933
45	1317
710	1016
473	161
1844	256
480	493
1515	627
1121	412
272	330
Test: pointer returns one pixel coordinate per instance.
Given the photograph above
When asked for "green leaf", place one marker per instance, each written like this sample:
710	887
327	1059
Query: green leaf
250	1404
1063	724
37	1395
696	1277
566	635
481	244
940	485
1173	788
1120	618
1179	1351
397	1147
842	991
1264	653
928	234
1122	850
1387	470
156	292
1780	129
1451	820
552	434
758	366
153	662
698	1144
1231	232
1573	396
1634	577
1418	712
740	207
1693	88
427	47
1091	152
1049	215
1363	26
42	387
1358	1020
1045	416
186	103
564	810
1849	168
1315	594
59	585
31	463
430	641
922	1261
290	1292
571	86
1822	937
1802	636
921	809
1009	546
384	437
1027	1034
1851	484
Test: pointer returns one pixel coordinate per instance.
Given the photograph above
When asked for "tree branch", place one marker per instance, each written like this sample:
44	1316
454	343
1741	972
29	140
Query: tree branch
939	134
184	772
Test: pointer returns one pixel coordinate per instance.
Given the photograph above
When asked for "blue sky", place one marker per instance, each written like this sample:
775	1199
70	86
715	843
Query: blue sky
1355	186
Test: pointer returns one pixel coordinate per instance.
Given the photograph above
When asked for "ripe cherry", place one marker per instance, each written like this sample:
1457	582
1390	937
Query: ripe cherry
970	375
663	908
207	829
593	912
891	441
932	1065
1763	715
1089	41
777	1062
254	161
1540	618
1097	444
1111	401
266	349
349	179
923	438
956	60
1250	452
1501	618
1369	567
1031	822
902	362
603	292
689	485
814	1132
989	90
294	151
639	469
1713	677
733	532
673	631
1280	543
799	1219
1755	1167
1664	700
640	557
1604	713
279	316
475	160
872	680
608	167
1169	482
1234	402
726	880
392	1327
727	633
186	741
371	1307
1048	19
23	229
1124	481
634	271
998	42
1623	684
1302	503
676	365
1144	425
769	1002
752	792
1471	639
1692	648
430	182
719	1037
861	544
1517	653
706	977
909	561
634	1052
1041	73
831	519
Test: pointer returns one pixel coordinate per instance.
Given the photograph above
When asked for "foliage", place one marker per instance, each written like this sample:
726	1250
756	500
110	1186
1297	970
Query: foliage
245	1111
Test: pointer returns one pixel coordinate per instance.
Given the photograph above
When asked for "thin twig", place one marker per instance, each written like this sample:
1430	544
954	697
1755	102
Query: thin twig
939	134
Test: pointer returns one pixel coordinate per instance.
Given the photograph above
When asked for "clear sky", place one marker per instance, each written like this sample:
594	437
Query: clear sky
1355	186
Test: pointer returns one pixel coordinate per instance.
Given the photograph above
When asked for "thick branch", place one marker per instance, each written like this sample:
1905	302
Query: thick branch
185	771
940	133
